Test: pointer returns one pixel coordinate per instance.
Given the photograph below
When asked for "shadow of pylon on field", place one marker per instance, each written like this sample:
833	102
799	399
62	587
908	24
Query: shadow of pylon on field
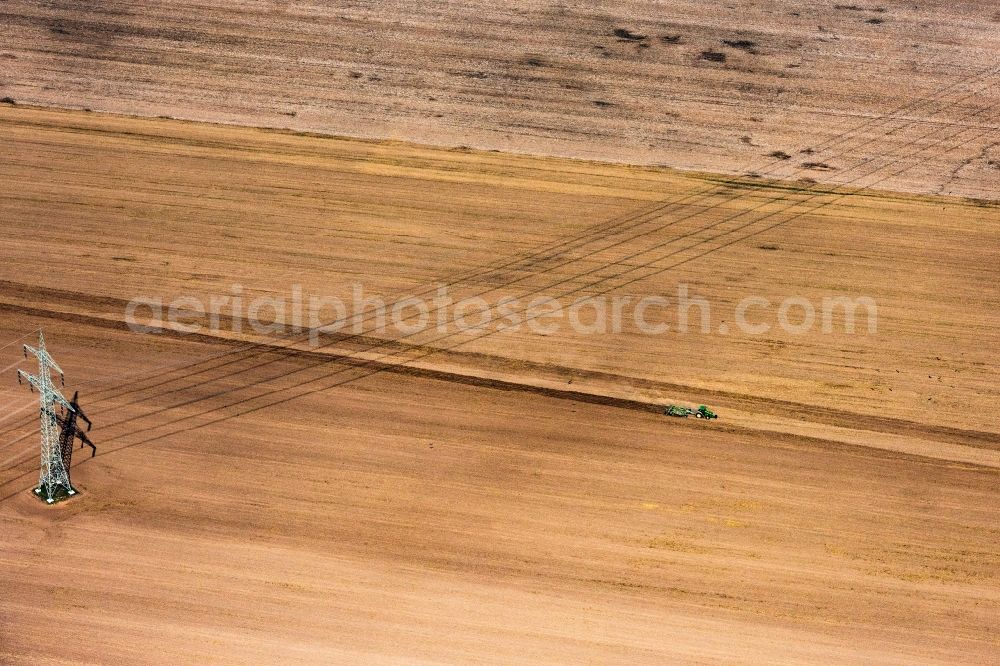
70	432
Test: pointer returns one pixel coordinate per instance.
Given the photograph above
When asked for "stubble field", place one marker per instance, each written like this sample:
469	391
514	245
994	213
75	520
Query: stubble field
502	497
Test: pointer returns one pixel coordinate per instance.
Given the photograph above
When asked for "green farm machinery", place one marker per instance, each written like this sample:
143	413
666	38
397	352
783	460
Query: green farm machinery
702	412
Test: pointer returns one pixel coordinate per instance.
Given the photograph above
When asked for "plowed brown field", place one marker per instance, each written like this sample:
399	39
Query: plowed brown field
511	497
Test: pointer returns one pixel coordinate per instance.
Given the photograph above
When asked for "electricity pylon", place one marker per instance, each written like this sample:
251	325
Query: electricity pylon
53	473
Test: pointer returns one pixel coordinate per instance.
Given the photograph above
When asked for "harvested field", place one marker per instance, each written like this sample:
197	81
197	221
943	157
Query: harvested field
400	519
705	86
198	208
503	497
533	225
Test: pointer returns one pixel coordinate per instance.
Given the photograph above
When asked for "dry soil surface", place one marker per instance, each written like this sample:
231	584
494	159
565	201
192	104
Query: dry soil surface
400	519
490	497
733	87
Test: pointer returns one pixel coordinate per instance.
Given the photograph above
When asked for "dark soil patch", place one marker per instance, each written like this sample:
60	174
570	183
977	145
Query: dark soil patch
713	56
670	39
779	155
859	8
469	74
627	35
742	44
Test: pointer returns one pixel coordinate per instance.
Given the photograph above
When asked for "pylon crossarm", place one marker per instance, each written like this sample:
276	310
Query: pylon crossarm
43	357
49	361
58	397
31	379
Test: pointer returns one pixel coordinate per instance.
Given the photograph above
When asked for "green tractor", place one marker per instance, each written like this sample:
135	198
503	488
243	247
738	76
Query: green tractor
702	412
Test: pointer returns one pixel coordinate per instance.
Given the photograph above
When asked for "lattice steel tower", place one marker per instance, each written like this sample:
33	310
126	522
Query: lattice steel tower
53	475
